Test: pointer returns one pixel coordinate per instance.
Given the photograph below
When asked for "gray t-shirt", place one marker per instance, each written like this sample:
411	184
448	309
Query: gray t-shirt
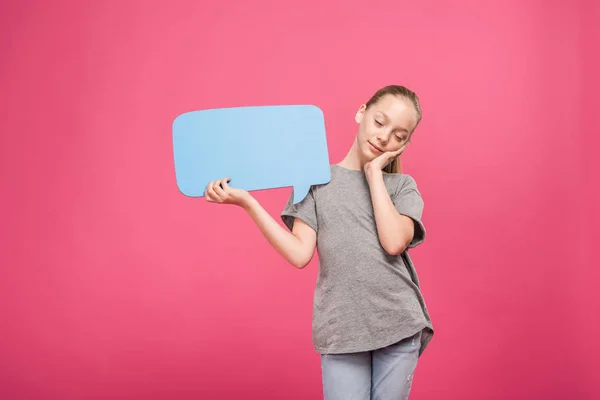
364	298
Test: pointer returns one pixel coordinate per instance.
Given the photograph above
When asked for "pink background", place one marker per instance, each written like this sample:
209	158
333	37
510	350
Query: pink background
116	286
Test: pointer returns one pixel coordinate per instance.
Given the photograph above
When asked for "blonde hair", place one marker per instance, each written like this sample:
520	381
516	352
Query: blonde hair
401	91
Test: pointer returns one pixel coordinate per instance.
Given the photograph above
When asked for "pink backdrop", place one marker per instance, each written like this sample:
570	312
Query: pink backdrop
114	285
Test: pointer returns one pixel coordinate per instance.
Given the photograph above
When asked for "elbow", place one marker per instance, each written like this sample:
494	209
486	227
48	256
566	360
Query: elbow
300	261
394	250
396	247
300	257
396	241
299	266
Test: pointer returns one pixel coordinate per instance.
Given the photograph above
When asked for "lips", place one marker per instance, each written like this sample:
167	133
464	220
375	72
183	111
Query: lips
376	148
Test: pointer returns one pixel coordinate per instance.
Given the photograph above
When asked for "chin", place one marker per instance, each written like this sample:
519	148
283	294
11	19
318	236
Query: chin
367	154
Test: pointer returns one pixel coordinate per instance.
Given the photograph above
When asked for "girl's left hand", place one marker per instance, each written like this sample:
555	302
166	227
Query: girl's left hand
381	161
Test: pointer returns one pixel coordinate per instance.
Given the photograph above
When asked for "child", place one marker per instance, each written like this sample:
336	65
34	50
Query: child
370	323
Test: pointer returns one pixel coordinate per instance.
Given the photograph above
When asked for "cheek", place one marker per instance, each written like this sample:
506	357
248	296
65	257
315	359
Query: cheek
364	131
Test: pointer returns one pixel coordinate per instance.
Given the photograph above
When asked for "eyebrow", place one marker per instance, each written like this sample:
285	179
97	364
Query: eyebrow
388	118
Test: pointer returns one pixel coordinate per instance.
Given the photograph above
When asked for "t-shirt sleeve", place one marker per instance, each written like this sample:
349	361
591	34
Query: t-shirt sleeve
408	201
306	210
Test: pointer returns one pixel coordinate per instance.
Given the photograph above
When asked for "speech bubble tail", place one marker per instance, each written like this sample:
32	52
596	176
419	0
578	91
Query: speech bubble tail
300	192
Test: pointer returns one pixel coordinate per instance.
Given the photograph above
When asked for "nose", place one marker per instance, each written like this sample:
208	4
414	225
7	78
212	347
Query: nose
382	138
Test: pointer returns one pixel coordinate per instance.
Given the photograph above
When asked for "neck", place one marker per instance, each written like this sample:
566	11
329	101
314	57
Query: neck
353	159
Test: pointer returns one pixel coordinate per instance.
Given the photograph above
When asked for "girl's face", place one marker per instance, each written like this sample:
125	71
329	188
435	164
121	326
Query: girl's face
384	126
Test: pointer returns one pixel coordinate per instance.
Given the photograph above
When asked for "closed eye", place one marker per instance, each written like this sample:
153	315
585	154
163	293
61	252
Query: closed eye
378	123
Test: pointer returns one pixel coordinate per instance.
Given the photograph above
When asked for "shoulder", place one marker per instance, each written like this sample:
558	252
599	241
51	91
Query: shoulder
333	176
403	183
401	179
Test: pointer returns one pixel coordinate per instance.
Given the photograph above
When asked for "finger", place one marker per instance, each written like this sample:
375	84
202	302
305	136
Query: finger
224	181
224	184
218	187
398	152
207	195
212	193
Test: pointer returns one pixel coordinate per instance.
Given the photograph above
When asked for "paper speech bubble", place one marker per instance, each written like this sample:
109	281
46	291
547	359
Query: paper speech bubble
261	147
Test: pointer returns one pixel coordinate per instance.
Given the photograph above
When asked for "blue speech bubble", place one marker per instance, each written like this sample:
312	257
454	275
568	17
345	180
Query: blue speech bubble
261	147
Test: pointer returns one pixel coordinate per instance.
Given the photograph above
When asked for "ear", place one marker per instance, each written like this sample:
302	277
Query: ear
360	114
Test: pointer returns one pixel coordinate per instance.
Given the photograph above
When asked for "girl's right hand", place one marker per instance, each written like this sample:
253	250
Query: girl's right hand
220	192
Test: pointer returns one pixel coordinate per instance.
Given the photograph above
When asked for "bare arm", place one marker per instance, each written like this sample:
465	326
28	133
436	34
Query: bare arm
297	247
395	230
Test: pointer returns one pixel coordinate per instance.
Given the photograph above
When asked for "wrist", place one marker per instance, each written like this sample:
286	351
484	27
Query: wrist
248	203
373	173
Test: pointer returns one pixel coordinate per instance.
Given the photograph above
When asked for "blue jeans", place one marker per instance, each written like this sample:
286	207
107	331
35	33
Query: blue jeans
383	374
